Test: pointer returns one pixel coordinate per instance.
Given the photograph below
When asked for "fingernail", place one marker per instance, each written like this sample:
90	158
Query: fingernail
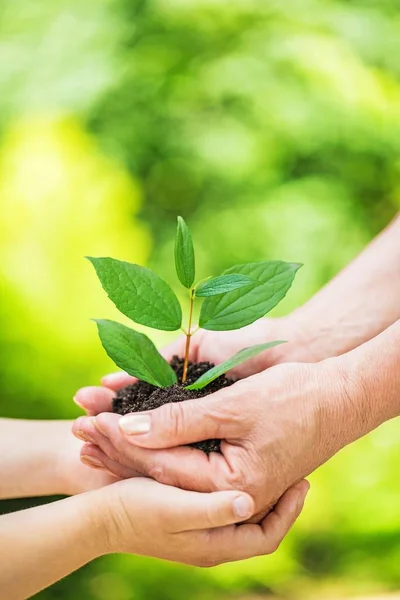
135	424
92	462
97	426
75	399
242	507
84	437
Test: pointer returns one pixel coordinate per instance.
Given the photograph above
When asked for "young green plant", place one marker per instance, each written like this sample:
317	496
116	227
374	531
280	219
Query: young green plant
234	299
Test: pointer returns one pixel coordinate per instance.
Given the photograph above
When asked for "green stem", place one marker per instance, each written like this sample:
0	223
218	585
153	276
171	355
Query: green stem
188	337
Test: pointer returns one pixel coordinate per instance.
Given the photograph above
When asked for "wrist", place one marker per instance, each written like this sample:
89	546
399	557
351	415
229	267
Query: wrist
294	330
61	459
346	410
373	369
115	515
89	515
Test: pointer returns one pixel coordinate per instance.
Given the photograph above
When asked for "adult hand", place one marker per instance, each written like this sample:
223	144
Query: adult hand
215	347
272	427
277	426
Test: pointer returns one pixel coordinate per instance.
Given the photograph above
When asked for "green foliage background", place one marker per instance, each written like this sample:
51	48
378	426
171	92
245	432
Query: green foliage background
274	129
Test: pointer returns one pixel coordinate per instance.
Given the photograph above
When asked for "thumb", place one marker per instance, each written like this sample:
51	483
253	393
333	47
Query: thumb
216	416
217	509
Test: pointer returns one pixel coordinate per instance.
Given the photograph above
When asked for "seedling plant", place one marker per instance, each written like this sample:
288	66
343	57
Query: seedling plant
232	300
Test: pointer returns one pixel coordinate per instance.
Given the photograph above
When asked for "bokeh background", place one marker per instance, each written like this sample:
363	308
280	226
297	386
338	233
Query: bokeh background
274	129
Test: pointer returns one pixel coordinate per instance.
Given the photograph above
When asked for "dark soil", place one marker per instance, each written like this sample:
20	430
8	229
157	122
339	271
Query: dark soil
143	396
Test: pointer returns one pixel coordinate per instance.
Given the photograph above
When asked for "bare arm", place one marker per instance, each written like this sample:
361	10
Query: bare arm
41	545
358	304
40	458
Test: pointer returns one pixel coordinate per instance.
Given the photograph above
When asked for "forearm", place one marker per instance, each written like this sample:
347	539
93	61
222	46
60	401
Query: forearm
29	453
358	304
41	545
367	391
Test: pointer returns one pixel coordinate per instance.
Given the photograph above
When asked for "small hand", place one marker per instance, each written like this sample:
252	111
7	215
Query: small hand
144	517
75	472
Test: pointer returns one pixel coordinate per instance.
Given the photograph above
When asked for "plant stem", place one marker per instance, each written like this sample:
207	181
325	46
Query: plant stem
188	337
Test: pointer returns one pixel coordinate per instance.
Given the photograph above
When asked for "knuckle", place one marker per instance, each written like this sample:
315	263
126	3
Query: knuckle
115	455
172	417
245	477
119	444
212	516
101	422
205	556
159	474
238	480
273	546
206	562
227	414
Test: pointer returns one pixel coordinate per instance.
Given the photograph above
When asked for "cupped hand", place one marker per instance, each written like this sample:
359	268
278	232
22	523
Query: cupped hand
277	427
144	517
73	471
215	347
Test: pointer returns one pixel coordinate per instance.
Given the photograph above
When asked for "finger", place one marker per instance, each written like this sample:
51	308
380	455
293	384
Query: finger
84	429
279	522
219	416
94	399
203	511
183	467
120	379
92	456
245	541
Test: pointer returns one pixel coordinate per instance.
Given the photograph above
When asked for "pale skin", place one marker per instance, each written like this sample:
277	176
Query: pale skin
341	381
138	516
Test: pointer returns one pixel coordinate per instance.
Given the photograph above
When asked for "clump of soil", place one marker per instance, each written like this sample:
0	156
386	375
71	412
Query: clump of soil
143	396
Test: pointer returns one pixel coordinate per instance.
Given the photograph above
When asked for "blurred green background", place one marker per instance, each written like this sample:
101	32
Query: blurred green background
274	129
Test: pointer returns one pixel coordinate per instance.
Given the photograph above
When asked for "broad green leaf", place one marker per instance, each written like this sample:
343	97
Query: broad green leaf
239	308
135	353
223	284
229	364
184	254
139	293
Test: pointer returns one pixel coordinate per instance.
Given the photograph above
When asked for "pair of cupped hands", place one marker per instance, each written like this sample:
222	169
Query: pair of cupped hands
270	424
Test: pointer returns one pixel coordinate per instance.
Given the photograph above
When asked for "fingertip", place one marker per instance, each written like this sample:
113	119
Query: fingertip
104	421
82	395
77	401
292	501
94	399
243	506
117	380
302	488
76	426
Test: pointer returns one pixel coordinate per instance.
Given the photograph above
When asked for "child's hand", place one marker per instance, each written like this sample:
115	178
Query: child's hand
72	468
144	517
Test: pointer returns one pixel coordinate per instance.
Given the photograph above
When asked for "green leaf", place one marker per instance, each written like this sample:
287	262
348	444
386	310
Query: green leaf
139	293
184	254
229	364
239	308
223	284
135	353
